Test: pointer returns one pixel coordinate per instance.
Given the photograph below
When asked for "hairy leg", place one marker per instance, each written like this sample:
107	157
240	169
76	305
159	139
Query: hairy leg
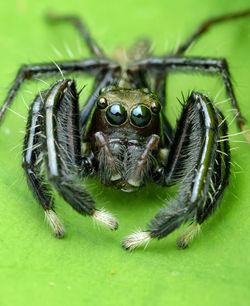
193	161
80	26
33	165
27	72
63	151
205	26
195	64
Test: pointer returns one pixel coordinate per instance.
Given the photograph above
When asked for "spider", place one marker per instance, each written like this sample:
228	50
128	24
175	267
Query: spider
123	137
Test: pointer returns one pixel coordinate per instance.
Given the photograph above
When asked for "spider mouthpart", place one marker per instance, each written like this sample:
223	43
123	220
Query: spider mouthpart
106	218
102	103
135	240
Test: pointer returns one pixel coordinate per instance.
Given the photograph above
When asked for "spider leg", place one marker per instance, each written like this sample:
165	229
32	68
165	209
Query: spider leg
61	148
221	171
156	82
200	167
205	26
104	79
190	64
159	87
27	72
32	164
218	183
80	26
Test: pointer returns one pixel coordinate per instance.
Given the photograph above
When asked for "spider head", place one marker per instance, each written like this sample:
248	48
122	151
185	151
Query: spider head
125	123
129	110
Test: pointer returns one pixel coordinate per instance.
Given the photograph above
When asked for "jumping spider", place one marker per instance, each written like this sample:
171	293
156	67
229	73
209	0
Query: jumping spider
123	136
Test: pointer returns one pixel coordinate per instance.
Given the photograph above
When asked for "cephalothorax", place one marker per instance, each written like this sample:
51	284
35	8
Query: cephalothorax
121	131
123	137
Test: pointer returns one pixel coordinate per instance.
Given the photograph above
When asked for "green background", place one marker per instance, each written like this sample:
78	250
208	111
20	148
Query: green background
89	267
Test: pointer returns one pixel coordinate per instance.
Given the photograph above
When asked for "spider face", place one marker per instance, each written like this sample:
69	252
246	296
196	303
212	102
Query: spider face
130	110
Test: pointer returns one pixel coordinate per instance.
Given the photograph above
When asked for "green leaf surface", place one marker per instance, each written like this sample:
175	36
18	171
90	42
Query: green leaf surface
89	267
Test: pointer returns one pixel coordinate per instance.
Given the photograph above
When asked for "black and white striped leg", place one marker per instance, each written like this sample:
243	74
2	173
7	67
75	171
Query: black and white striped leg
33	166
199	162
218	183
61	151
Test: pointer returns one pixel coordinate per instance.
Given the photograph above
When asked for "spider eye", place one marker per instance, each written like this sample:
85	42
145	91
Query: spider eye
102	103
140	116
116	114
156	107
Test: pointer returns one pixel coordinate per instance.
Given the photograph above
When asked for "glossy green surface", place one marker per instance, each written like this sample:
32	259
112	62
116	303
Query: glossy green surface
89	267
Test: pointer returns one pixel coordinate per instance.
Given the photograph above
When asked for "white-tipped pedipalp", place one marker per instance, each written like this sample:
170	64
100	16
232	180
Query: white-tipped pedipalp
55	223
137	239
105	218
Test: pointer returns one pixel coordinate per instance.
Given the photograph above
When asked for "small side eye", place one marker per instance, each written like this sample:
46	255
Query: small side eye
116	114
155	107
102	103
140	116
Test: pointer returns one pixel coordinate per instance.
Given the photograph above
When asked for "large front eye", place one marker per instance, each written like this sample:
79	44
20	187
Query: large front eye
116	114
140	115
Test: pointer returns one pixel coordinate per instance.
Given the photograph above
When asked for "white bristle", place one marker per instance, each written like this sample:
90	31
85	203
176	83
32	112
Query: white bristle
54	223
136	239
106	219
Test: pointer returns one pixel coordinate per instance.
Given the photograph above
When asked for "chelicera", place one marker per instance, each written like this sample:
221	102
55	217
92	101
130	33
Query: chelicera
122	135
